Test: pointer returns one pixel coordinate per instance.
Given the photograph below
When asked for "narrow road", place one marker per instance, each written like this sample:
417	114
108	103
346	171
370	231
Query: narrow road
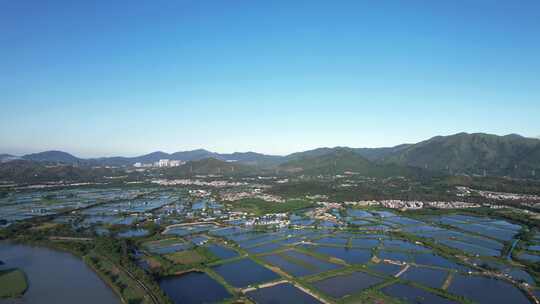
140	283
509	256
71	239
246	290
190	224
402	271
316	296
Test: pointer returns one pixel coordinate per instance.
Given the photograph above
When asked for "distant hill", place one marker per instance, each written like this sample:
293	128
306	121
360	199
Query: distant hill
462	153
314	153
53	157
151	157
331	161
7	157
25	171
250	158
254	159
209	166
193	155
476	153
128	161
59	157
368	153
380	153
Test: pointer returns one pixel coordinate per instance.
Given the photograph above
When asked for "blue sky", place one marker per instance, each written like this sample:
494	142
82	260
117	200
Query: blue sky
99	78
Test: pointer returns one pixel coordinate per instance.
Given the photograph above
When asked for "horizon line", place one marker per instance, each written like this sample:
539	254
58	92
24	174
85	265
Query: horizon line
253	151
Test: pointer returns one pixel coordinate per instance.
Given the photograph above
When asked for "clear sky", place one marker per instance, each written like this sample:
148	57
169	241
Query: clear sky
101	78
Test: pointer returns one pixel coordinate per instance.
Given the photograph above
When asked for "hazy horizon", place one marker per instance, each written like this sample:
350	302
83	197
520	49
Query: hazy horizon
103	79
241	151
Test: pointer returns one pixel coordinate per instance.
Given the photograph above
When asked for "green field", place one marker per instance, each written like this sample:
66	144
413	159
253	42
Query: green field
187	257
13	282
260	207
161	243
197	255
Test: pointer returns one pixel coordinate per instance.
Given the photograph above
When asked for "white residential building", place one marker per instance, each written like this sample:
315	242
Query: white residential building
176	163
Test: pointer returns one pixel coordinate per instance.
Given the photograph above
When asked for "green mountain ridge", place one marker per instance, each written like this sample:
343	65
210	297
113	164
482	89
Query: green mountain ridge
210	166
472	154
340	161
475	153
23	171
60	157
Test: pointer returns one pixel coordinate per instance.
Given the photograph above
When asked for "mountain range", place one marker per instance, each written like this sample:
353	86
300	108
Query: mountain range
462	153
250	158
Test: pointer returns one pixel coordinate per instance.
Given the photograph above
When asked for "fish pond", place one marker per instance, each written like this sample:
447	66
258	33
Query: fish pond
414	295
299	264
281	294
244	272
426	276
351	256
348	284
193	288
486	290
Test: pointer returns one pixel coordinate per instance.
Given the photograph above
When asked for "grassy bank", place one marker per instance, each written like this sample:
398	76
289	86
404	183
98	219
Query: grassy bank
13	283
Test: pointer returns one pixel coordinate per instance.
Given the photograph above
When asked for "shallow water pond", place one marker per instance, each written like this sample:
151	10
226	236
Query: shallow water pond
365	243
222	252
386	268
133	233
402	245
393	255
413	295
529	257
431	259
351	256
299	264
332	241
426	276
342	285
193	288
470	248
281	294
265	248
244	272
486	290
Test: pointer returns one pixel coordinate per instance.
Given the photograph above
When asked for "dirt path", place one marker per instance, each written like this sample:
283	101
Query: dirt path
402	271
309	292
264	286
131	276
67	238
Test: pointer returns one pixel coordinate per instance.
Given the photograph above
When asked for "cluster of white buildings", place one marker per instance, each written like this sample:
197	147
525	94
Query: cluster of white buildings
200	193
399	204
317	197
236	196
452	205
197	182
465	191
414	205
323	212
162	163
276	219
411	205
508	196
362	203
